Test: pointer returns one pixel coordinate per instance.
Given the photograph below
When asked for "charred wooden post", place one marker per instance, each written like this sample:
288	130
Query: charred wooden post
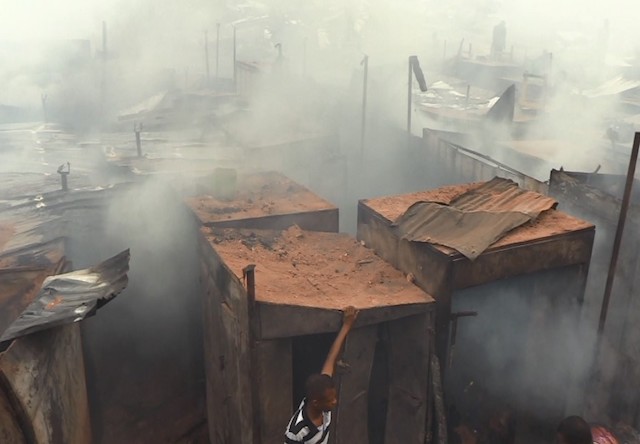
626	197
438	399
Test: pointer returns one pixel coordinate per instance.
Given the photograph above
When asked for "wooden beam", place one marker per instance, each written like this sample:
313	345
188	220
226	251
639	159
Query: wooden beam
282	321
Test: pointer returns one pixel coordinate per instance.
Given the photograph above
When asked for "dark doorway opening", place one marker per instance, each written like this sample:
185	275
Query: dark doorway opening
308	355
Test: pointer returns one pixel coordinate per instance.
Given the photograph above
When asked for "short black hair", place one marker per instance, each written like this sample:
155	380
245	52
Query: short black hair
575	430
317	385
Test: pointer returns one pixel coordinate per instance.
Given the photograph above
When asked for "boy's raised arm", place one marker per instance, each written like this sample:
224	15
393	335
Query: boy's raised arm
349	318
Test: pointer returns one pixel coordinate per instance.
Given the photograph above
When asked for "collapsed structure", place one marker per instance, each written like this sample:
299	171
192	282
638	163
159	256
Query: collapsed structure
43	395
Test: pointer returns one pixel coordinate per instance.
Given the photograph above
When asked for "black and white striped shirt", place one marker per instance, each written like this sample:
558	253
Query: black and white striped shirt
302	429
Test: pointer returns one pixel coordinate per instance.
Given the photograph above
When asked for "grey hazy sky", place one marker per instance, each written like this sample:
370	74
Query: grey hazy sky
46	19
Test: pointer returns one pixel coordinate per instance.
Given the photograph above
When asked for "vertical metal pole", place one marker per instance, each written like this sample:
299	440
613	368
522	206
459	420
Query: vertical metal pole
252	313
43	98
206	56
138	129
103	81
217	51
619	230
466	101
365	63
235	79
63	175
104	37
304	58
409	85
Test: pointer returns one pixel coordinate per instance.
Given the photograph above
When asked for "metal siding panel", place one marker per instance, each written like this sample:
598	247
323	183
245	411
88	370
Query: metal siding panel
351	423
45	372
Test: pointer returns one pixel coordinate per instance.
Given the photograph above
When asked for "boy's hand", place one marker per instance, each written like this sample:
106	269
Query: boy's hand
349	316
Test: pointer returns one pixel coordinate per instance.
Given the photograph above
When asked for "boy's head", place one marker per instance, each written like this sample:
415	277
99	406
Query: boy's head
321	392
574	430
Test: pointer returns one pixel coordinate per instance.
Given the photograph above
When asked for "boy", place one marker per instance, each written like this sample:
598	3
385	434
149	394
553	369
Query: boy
310	423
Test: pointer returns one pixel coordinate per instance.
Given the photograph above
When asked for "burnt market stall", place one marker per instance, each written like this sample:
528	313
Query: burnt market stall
522	281
262	341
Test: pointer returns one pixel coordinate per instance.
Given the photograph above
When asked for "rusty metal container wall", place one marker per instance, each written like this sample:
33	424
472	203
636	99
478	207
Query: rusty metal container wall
440	272
43	374
465	165
409	391
226	341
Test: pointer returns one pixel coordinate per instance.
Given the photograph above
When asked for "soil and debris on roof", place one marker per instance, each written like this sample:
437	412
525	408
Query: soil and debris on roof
255	195
312	269
488	198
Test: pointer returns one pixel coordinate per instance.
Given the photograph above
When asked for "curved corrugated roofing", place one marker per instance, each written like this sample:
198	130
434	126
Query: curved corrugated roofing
501	195
475	219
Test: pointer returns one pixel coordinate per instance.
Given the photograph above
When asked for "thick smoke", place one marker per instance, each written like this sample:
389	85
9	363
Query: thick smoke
306	106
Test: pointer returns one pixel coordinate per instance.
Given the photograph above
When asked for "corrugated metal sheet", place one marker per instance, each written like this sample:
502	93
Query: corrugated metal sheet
70	297
612	87
33	295
501	195
475	219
